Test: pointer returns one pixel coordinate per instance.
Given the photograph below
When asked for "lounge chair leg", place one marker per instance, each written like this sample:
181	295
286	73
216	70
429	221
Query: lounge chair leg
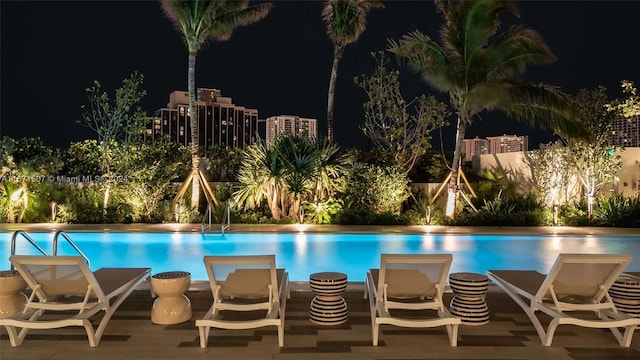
280	336
376	330
14	338
204	336
452	331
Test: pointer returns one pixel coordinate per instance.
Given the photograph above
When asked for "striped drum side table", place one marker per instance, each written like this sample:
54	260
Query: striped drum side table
328	307
625	294
468	302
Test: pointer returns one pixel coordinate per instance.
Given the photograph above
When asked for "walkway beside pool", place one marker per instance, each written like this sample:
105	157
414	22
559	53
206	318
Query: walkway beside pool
296	228
131	335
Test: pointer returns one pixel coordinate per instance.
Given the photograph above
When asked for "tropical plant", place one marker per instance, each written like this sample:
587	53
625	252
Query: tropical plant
618	211
401	129
152	168
117	121
222	163
506	211
289	172
374	189
200	21
630	105
595	161
480	68
345	21
553	174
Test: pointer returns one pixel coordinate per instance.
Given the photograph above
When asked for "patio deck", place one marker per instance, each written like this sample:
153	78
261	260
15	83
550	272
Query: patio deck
131	335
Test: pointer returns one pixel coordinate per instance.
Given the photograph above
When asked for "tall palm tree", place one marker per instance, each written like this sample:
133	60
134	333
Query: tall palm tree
200	21
480	69
345	20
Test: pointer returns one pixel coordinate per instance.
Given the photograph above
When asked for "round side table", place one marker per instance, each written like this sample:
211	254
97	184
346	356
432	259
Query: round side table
172	306
468	302
328	307
625	294
12	299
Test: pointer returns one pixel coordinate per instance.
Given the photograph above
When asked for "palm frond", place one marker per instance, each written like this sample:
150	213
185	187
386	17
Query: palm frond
534	103
346	19
427	58
232	17
510	54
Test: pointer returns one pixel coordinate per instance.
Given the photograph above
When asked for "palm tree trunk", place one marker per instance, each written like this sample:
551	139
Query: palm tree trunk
337	54
193	124
454	183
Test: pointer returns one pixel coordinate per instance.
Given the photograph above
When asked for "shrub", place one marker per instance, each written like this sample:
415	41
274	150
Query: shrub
374	189
506	211
618	211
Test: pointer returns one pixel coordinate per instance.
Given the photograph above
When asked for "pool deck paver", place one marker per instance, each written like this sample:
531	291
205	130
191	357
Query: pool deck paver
131	335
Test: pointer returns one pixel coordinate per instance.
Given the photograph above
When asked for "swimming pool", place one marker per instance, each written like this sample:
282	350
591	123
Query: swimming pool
305	253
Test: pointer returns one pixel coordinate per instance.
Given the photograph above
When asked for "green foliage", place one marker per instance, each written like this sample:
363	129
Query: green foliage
431	167
506	211
480	66
553	174
374	189
29	156
150	170
223	163
591	154
630	106
493	182
293	170
82	205
118	118
617	211
85	157
322	211
574	214
399	129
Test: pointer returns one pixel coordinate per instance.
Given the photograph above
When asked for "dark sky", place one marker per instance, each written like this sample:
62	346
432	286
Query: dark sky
52	50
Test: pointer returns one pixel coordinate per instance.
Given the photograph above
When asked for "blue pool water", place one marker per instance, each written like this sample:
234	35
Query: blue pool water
305	253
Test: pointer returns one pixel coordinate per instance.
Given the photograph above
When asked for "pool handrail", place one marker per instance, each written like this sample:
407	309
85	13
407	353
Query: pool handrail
73	244
26	237
226	217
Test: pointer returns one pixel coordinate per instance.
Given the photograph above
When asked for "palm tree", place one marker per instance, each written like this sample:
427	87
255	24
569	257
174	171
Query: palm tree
288	173
480	69
345	20
200	21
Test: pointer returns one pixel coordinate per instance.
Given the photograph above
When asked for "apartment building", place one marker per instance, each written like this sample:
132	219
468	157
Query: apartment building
626	132
296	125
220	121
475	146
495	145
507	143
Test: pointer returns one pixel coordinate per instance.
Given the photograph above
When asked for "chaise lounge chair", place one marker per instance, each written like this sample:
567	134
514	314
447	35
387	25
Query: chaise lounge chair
576	284
414	283
245	283
66	287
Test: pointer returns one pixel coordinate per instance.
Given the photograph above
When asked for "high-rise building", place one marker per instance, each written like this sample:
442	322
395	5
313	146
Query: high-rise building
220	122
296	125
626	132
507	143
475	146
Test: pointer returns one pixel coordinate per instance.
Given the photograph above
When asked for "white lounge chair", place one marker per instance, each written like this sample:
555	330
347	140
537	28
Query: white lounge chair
576	283
245	283
410	282
66	287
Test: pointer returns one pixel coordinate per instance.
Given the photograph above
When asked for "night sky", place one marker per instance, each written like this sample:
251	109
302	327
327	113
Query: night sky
52	50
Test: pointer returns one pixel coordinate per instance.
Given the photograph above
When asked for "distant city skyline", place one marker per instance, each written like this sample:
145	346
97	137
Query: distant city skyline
52	50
